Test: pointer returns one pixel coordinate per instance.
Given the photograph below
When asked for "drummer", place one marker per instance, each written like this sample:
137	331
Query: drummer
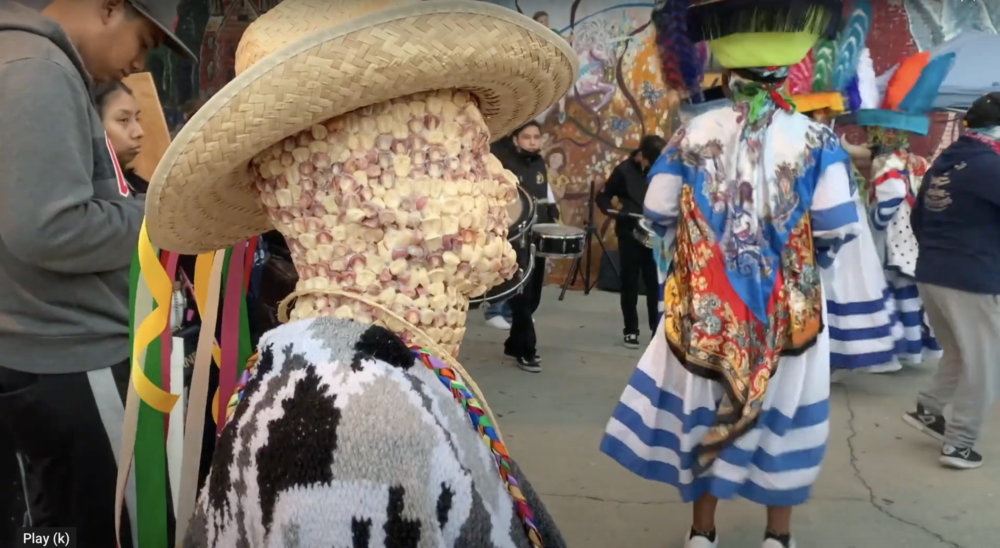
628	183
521	154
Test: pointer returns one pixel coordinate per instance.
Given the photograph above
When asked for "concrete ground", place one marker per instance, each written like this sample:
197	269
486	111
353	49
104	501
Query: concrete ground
881	484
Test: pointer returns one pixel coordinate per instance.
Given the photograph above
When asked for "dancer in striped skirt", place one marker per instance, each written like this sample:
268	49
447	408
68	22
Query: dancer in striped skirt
895	181
732	399
863	327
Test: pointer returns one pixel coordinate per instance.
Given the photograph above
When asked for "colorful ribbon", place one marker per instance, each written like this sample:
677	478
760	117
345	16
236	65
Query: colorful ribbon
482	424
152	326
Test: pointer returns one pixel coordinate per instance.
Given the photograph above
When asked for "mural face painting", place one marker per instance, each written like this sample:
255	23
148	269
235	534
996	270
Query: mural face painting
618	96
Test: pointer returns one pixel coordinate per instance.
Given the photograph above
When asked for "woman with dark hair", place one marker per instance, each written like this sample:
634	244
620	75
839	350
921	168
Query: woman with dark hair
628	184
120	115
731	399
956	221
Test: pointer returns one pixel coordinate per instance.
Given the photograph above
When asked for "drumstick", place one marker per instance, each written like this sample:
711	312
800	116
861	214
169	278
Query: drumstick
619	214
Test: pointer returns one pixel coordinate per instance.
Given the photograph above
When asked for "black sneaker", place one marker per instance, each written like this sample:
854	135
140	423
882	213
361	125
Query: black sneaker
530	365
631	341
928	423
961	458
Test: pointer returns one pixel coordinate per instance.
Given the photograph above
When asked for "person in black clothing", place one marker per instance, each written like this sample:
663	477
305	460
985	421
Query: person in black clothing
628	184
520	153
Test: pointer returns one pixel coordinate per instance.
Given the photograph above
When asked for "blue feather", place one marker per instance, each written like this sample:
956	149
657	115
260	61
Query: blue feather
664	21
850	42
689	57
681	63
853	92
923	93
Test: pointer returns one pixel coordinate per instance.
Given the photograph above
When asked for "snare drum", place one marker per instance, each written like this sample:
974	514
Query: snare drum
558	241
644	233
522	215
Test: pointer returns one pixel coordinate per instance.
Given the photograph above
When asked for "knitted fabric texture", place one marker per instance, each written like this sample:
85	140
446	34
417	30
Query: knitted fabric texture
341	438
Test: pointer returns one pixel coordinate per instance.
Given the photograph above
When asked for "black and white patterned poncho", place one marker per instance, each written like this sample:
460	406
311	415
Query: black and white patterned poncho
343	440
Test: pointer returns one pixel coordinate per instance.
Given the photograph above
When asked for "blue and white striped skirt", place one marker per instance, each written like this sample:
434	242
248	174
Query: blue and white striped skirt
863	330
665	411
916	341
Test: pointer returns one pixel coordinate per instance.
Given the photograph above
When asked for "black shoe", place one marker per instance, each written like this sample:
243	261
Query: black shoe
928	423
531	365
631	340
961	458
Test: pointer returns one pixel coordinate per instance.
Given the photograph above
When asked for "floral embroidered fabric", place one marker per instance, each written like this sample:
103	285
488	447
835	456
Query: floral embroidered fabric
745	289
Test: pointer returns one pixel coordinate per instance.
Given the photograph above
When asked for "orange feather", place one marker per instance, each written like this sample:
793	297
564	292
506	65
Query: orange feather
903	79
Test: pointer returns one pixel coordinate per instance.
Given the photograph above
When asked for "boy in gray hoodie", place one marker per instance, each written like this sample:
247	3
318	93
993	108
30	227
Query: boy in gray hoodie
68	228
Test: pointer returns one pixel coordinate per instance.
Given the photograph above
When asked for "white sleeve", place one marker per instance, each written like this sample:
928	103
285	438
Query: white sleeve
833	213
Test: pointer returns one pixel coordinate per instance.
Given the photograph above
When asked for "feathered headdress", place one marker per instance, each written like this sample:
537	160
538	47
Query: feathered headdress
910	94
830	73
681	62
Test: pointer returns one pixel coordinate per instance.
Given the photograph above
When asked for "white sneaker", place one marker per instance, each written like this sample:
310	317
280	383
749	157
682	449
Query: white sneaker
890	367
701	542
499	323
771	543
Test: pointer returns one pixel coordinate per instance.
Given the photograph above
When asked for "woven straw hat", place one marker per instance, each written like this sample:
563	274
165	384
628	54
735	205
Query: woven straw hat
306	61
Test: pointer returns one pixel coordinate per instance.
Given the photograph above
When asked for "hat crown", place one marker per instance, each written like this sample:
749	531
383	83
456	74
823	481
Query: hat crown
294	19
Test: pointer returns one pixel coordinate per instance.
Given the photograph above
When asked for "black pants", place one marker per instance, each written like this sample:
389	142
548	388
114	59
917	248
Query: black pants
63	427
12	505
521	341
637	259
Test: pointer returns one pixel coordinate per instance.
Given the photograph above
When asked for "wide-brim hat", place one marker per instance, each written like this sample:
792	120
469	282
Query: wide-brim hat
306	61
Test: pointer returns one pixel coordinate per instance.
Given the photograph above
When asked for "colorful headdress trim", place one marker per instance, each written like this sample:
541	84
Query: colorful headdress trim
834	66
832	101
715	19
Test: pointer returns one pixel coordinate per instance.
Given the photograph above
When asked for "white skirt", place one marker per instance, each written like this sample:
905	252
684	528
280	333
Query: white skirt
665	410
863	330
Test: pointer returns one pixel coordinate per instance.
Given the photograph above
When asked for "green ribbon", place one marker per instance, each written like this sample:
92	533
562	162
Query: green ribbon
150	458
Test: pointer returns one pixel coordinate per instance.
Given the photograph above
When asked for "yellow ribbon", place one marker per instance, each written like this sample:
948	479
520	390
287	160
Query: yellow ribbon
153	325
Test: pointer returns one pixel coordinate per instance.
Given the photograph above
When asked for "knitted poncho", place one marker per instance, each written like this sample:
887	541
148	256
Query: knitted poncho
341	439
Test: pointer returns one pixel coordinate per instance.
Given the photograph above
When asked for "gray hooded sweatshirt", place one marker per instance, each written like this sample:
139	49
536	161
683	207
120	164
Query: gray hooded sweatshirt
68	227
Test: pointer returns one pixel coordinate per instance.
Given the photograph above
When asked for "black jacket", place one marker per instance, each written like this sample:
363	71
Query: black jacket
956	219
135	183
628	183
530	172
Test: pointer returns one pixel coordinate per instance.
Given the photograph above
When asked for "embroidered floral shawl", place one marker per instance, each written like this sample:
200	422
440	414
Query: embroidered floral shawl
744	289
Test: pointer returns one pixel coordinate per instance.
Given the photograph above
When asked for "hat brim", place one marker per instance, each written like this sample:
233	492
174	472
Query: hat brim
918	124
200	197
171	39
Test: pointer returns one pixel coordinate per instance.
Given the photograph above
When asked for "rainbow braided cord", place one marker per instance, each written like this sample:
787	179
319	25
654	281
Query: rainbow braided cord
482	424
241	385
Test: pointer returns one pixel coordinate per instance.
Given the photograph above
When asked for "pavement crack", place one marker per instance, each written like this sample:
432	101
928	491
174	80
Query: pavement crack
872	498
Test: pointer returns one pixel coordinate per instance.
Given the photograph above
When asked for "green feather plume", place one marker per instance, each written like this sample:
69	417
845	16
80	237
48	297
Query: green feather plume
824	54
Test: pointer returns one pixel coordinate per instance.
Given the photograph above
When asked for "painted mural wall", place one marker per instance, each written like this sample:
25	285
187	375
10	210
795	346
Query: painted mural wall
618	98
